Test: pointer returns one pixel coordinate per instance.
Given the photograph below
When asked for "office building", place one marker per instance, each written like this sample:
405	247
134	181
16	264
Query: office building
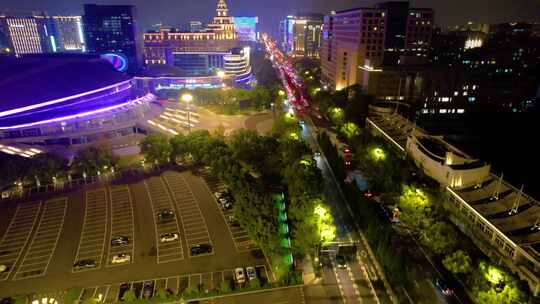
113	29
360	41
69	34
26	34
195	26
300	35
246	28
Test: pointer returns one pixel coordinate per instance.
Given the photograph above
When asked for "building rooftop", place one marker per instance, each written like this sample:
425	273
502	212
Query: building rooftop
40	79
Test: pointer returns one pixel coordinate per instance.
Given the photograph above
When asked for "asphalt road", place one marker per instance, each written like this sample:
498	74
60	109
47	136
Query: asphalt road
41	240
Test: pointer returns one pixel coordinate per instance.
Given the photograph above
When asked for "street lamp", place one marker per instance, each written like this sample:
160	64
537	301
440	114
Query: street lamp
187	98
221	74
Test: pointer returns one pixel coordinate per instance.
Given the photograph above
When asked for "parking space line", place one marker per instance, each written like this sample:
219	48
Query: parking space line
215	186
195	223
160	200
94	231
56	210
25	211
122	223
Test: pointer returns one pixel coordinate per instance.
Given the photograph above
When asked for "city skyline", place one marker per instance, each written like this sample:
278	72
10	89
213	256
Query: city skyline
176	14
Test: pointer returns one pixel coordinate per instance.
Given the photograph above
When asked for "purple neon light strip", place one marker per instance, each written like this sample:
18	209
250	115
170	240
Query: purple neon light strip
75	103
47	103
80	115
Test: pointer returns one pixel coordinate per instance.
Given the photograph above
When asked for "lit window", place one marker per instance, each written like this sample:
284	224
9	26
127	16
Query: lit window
461	111
456	93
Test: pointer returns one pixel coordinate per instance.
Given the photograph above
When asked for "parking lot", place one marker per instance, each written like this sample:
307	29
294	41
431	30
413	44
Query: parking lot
17	235
93	235
41	240
193	222
39	254
161	200
175	284
241	239
122	223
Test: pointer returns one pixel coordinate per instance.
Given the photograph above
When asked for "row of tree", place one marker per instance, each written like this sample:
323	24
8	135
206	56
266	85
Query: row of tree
47	168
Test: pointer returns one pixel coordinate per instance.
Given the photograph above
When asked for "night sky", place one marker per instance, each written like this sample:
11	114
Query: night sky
175	13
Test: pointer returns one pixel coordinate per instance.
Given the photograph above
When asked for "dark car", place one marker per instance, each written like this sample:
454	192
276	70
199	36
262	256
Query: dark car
340	260
148	289
200	249
119	240
165	214
123	288
82	264
442	287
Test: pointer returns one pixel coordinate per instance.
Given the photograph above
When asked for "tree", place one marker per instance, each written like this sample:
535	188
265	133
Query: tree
224	287
161	295
129	296
350	130
254	283
440	237
46	166
93	161
458	262
156	149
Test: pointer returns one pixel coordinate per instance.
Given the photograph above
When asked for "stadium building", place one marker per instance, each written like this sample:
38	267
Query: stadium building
64	103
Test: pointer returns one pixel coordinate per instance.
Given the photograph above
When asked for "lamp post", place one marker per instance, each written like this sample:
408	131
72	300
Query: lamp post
187	98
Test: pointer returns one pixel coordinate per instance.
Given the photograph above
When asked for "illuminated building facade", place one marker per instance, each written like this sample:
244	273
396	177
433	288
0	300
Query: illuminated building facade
204	53
69	33
246	28
386	35
113	29
27	35
219	36
301	35
69	102
195	26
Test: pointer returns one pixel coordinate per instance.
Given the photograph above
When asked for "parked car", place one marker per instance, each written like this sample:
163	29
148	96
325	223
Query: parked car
82	264
3	268
148	289
239	275
169	237
121	258
251	273
340	260
119	240
123	288
442	287
165	214
201	248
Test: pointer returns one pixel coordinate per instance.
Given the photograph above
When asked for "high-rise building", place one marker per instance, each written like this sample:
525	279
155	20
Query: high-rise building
300	35
223	24
195	26
26	34
351	38
113	29
69	33
359	41
218	36
246	28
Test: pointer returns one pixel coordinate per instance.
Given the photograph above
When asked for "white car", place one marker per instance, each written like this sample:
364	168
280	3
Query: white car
121	258
251	273
239	275
169	237
3	268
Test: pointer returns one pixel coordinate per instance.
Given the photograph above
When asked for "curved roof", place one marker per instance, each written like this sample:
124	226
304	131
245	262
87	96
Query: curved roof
33	81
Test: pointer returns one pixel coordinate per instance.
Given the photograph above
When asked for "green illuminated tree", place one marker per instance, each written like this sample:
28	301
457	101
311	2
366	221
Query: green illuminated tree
458	262
350	130
129	296
92	160
440	237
